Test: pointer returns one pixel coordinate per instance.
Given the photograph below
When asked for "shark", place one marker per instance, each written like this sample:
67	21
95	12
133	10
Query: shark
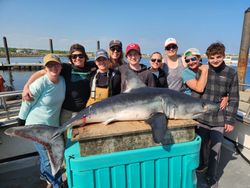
137	102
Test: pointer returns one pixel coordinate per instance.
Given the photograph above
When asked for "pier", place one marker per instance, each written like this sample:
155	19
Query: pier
21	66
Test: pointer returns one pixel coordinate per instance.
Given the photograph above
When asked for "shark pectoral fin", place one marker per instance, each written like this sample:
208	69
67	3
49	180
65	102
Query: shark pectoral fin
108	121
157	121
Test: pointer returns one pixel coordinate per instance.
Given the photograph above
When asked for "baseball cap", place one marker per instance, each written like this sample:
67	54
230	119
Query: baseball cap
133	46
101	53
170	41
51	58
192	52
115	43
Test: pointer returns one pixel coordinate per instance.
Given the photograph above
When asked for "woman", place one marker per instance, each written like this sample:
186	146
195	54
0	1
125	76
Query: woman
48	95
77	79
158	73
105	82
195	75
173	65
115	54
133	54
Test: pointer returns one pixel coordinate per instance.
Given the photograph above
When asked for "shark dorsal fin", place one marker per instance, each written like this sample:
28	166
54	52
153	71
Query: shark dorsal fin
132	81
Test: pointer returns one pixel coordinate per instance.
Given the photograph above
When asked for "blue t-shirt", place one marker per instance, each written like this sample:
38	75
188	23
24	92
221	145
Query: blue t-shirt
46	106
187	74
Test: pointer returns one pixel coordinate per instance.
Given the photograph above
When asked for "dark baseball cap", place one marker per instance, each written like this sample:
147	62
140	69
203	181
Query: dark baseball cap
115	43
101	53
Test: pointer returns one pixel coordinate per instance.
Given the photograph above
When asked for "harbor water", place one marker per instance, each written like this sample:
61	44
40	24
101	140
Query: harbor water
17	78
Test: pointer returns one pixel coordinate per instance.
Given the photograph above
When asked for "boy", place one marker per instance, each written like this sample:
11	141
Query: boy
222	81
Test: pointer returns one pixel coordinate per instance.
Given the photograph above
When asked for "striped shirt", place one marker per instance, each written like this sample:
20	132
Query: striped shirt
222	81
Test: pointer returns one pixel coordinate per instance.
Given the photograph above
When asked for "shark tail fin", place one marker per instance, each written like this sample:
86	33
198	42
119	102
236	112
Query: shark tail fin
42	134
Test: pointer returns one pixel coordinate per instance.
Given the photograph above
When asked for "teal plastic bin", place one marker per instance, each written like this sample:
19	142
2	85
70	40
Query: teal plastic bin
170	166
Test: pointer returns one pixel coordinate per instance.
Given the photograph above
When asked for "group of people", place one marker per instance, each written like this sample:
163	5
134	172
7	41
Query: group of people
55	94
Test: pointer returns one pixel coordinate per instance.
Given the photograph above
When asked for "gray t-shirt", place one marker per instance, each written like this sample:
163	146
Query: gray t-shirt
174	78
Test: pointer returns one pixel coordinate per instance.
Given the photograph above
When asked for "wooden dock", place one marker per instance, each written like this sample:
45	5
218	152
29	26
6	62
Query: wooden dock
21	66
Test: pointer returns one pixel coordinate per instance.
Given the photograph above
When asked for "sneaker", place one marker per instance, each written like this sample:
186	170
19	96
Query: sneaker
212	183
201	169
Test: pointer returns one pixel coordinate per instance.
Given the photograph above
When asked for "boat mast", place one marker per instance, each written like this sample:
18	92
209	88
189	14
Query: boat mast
244	49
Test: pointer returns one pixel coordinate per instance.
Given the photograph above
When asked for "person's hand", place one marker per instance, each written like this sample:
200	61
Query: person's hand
224	102
26	94
203	68
228	128
20	122
183	61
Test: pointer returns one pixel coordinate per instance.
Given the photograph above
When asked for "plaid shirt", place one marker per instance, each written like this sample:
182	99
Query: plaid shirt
222	81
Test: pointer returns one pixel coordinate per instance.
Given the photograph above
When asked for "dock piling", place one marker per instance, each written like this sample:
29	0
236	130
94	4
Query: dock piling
244	49
6	50
51	45
98	45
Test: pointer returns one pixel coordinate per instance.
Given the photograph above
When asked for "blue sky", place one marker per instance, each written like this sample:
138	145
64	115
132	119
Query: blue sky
194	23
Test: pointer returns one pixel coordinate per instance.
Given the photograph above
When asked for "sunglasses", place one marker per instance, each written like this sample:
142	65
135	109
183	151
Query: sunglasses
50	65
115	48
74	56
156	60
169	47
191	59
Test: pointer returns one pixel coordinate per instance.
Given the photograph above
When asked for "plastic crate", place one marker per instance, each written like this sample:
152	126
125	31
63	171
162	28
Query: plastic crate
170	166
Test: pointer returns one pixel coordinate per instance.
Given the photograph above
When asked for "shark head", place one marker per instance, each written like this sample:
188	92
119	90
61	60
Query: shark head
188	107
203	107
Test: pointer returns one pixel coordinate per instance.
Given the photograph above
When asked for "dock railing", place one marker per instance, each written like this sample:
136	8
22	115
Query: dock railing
10	102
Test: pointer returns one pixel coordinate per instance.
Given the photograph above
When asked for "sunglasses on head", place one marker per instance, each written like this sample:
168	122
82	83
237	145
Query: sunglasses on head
191	59
74	56
169	47
115	49
156	60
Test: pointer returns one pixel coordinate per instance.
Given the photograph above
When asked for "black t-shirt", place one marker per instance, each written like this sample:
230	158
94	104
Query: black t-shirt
77	85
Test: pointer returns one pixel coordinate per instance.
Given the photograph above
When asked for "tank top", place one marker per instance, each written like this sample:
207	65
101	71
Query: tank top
174	78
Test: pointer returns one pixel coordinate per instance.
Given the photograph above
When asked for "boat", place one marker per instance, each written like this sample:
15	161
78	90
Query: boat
229	60
241	134
20	166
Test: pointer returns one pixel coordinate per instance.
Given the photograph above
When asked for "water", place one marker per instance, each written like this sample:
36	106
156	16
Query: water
17	79
29	60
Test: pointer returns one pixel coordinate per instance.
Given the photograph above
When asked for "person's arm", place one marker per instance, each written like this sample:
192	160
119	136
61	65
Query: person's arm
36	89
151	80
233	102
199	84
27	95
116	83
